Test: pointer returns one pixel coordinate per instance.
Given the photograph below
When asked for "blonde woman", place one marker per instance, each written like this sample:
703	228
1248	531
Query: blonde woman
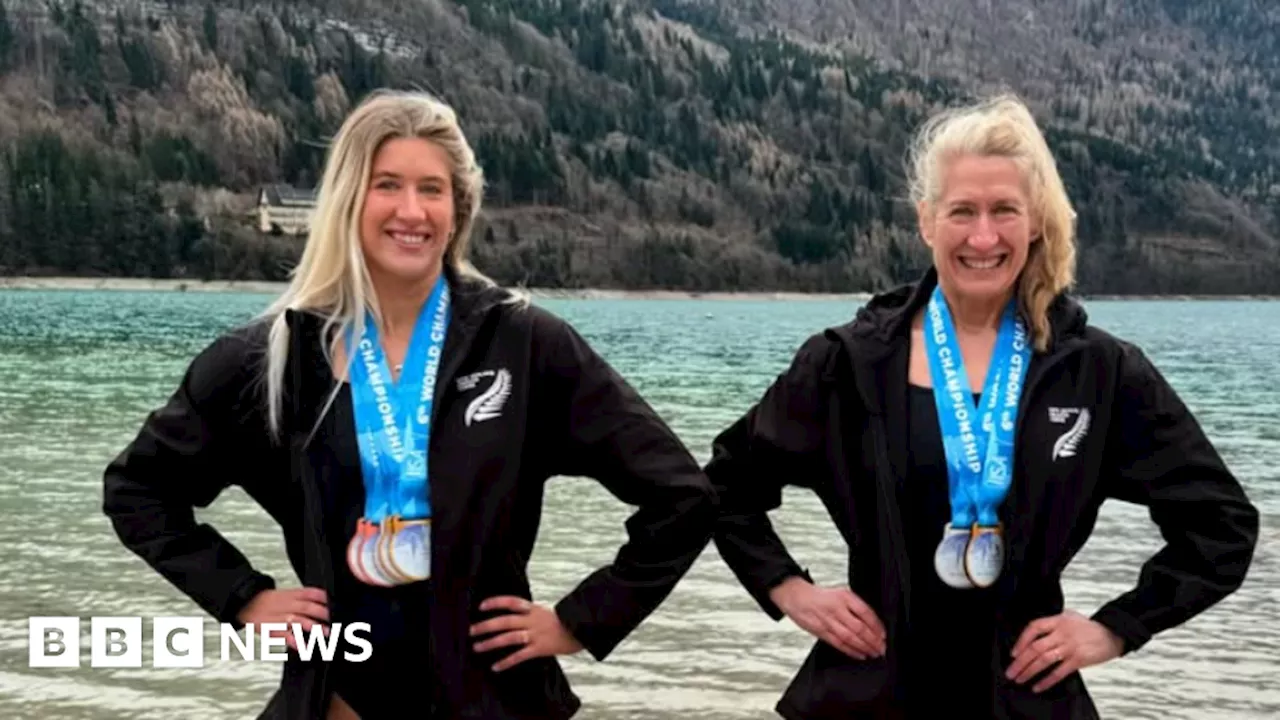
962	432
398	415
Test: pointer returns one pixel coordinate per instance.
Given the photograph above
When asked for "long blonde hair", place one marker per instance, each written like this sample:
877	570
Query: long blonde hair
331	278
1003	126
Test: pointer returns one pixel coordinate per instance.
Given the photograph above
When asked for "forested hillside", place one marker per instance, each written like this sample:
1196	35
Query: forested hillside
703	145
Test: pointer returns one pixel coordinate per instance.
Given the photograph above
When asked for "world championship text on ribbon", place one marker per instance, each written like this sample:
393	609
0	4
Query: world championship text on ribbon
179	642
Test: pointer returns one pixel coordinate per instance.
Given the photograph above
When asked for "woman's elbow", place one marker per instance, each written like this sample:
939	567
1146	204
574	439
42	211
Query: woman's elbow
1244	523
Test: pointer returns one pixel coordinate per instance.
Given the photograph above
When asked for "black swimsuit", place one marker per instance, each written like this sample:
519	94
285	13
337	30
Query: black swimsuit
950	640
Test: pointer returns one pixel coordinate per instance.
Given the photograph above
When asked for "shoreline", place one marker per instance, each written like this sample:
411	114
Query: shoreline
128	284
125	284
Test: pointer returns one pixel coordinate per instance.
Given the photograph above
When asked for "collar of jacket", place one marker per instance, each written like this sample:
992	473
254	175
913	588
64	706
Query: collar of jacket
471	300
881	332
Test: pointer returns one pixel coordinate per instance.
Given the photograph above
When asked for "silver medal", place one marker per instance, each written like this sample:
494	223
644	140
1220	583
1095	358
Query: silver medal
949	558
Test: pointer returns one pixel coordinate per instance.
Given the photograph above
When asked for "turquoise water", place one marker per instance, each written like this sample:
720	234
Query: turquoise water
79	370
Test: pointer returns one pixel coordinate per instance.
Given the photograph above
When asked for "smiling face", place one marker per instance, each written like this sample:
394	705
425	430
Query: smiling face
980	228
408	215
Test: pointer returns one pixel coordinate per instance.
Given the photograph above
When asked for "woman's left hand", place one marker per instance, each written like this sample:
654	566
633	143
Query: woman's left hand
536	629
1071	640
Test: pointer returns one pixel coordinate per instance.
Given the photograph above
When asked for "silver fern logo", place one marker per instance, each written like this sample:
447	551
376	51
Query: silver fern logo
1068	443
488	404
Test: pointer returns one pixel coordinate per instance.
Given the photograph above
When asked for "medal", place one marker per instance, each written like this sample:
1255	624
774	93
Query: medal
385	536
984	556
375	573
355	548
391	544
361	555
949	558
407	550
978	444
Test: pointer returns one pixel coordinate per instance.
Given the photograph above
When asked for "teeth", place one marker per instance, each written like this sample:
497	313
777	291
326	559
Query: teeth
409	239
981	264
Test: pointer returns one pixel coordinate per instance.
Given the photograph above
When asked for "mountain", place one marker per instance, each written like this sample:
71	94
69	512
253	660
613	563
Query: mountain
689	144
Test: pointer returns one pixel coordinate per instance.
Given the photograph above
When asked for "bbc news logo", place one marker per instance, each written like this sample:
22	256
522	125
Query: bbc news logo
178	642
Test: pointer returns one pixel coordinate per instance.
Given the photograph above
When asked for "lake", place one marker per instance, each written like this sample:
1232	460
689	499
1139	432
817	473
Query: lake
80	369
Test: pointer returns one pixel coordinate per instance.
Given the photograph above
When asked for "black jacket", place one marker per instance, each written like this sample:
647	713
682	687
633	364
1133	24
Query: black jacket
568	413
835	422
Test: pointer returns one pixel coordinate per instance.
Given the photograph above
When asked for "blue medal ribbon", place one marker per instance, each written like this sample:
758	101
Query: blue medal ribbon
978	447
393	425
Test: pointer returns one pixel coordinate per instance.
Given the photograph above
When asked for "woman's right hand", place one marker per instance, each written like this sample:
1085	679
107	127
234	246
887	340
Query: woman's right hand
836	616
305	606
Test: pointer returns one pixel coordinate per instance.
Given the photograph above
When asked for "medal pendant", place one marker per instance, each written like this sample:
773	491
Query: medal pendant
390	527
409	550
355	550
984	556
949	558
368	559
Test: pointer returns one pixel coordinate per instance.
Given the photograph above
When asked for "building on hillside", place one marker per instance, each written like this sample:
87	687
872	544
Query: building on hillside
285	210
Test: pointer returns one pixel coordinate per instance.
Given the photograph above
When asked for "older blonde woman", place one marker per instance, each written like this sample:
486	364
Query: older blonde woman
398	415
962	432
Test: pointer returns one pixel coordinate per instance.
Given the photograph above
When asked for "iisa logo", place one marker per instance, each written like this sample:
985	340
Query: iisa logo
179	642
